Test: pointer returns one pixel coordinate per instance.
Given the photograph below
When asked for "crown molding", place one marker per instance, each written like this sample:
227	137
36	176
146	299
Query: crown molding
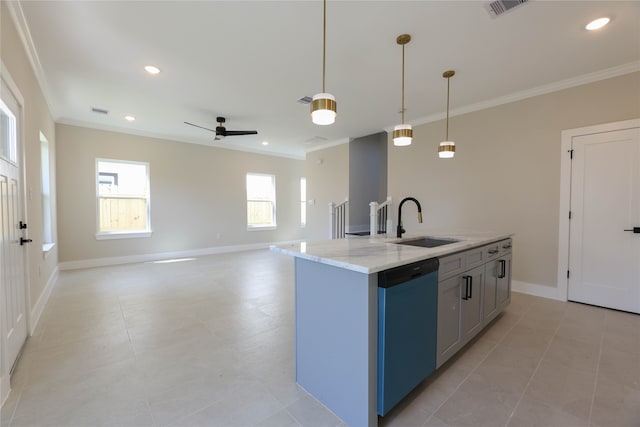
330	144
607	73
19	20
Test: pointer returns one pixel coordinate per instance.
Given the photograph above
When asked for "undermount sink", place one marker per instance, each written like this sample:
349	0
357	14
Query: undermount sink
427	242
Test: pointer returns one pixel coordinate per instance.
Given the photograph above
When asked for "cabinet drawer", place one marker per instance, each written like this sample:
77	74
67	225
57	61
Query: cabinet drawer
450	265
505	246
493	250
475	257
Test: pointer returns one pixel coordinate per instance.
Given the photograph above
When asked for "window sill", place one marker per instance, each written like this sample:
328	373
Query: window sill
123	235
46	249
265	228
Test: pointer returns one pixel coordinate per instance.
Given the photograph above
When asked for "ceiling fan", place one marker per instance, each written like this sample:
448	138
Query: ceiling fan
222	131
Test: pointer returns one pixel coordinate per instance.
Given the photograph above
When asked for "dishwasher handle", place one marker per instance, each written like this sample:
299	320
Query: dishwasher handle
398	275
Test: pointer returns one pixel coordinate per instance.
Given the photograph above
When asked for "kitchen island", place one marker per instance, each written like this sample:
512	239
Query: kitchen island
337	309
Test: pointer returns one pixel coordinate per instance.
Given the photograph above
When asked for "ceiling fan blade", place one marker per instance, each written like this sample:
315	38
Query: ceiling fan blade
198	126
241	132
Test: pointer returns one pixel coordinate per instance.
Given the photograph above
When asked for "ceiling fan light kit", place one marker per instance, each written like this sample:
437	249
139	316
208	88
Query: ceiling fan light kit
323	105
447	149
402	133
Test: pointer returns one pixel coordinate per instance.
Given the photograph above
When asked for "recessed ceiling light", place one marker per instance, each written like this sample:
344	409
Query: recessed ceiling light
129	118
151	69
265	143
597	24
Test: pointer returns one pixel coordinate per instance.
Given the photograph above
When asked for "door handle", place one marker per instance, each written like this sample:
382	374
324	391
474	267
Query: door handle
468	287
23	241
503	269
636	230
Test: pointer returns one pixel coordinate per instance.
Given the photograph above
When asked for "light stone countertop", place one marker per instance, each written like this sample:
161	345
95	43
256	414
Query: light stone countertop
373	254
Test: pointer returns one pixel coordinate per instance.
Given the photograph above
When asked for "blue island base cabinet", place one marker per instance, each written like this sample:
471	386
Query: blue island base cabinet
336	331
336	314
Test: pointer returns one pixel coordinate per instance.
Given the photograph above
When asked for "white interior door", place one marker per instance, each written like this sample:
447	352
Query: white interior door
12	253
604	259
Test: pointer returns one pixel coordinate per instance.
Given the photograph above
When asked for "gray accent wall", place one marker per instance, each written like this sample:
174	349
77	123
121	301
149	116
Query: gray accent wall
367	177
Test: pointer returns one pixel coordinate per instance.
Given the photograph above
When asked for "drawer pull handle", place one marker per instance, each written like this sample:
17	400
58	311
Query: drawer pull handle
493	251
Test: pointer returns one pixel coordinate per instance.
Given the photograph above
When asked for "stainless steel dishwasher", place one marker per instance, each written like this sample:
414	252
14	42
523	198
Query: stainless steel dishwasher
407	316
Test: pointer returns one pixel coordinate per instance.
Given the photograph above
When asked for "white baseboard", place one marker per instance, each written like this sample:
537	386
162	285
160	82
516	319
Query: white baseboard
543	291
38	308
103	262
4	389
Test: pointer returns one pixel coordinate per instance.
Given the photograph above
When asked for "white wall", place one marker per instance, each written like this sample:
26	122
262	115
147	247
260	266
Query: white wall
327	173
198	194
506	173
41	270
37	118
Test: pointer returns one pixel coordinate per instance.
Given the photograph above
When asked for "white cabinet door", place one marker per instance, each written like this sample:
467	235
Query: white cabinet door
489	298
604	260
503	288
471	290
448	335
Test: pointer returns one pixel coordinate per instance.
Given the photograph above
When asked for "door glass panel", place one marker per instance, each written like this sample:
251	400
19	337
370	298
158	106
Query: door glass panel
8	140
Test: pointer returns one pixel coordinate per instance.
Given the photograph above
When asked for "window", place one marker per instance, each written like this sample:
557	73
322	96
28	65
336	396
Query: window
45	169
303	202
123	199
261	201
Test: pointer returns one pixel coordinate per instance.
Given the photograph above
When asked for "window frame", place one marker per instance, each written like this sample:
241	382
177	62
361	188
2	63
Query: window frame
122	234
303	202
274	224
46	197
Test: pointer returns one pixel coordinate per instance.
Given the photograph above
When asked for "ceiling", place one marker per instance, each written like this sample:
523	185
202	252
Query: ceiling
250	61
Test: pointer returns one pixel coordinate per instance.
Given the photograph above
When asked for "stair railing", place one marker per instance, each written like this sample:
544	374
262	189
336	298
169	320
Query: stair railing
338	219
379	218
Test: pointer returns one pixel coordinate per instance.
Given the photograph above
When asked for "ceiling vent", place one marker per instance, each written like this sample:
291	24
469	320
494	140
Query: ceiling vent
497	8
99	110
305	100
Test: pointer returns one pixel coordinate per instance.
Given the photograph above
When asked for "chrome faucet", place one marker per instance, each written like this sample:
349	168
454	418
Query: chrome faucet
399	229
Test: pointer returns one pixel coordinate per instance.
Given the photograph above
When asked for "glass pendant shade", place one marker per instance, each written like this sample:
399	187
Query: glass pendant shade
323	109
402	135
447	149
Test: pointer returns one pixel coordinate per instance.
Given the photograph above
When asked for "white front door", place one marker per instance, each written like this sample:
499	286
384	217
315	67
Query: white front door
12	253
604	259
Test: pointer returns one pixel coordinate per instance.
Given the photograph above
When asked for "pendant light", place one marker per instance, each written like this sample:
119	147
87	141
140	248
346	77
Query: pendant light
447	149
402	133
323	105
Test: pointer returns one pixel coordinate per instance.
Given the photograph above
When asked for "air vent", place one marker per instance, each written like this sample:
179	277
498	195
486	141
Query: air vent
305	100
99	110
499	7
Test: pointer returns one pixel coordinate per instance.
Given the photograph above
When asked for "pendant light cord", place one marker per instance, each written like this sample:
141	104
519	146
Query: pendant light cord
446	138
403	84
324	43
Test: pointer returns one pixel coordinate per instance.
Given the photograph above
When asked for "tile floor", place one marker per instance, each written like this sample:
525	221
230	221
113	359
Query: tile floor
209	342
